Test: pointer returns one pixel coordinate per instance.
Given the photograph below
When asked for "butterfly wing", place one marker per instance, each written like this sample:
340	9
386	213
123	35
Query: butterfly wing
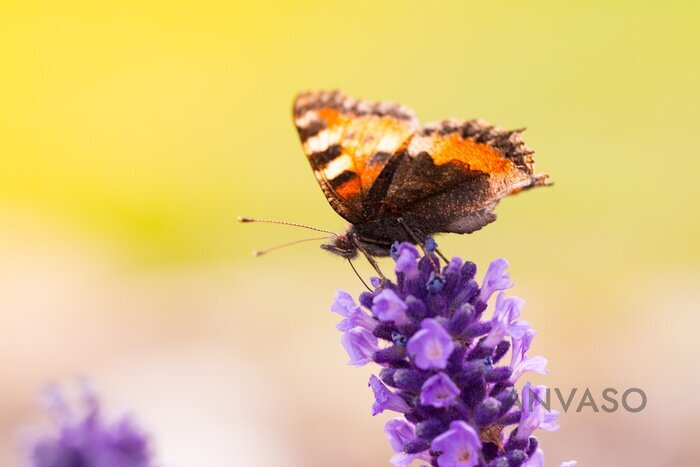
453	173
348	143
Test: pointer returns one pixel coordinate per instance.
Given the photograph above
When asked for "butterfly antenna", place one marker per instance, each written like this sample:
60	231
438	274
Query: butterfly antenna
358	275
293	224
283	245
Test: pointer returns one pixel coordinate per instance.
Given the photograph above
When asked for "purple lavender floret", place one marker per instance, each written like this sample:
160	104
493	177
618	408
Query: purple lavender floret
441	363
83	438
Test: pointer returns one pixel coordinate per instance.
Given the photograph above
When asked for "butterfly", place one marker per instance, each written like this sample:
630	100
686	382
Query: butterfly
394	180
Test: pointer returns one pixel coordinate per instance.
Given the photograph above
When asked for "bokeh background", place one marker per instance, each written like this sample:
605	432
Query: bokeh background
132	134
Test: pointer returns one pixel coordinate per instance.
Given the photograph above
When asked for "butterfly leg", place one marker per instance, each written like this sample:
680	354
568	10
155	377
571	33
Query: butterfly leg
358	275
444	258
372	261
420	244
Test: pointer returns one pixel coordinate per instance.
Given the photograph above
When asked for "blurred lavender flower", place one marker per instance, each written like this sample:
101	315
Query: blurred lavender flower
440	363
82	438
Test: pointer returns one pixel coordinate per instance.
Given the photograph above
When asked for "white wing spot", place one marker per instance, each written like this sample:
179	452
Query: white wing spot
306	119
388	143
337	166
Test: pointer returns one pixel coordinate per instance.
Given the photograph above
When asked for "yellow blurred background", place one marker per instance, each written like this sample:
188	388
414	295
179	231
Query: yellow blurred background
132	134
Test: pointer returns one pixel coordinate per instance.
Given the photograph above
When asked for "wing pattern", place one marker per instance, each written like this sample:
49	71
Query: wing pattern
374	162
348	142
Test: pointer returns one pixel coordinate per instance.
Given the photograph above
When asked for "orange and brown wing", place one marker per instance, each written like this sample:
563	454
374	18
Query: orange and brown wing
348	142
454	172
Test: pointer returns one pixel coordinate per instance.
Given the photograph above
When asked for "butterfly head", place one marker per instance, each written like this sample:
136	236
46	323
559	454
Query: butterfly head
343	244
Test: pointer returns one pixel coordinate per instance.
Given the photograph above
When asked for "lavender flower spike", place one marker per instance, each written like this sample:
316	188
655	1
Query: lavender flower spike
360	344
387	306
431	346
83	438
439	391
385	399
406	256
400	433
504	322
458	447
537	460
442	363
496	278
352	314
533	414
521	363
